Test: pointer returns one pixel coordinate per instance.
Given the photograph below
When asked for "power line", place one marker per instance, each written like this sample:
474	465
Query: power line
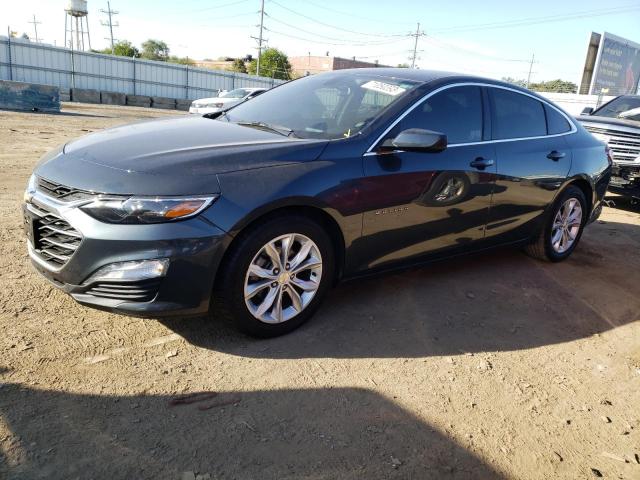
360	17
110	23
341	40
536	20
35	27
333	26
320	42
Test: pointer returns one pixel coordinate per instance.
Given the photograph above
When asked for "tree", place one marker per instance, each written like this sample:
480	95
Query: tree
155	50
180	60
513	81
122	48
559	86
273	63
238	66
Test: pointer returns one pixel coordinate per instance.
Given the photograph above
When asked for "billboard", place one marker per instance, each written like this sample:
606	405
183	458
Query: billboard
617	66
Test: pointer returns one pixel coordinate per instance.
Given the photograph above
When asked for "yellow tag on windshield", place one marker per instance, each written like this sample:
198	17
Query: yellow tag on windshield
347	134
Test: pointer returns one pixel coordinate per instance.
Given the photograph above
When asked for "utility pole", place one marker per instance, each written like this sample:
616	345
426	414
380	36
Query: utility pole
533	58
35	27
260	38
110	23
417	35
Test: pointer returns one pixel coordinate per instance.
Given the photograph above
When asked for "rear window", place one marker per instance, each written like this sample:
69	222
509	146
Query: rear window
556	123
516	115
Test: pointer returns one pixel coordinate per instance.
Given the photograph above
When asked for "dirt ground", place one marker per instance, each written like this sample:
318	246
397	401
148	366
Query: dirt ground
493	366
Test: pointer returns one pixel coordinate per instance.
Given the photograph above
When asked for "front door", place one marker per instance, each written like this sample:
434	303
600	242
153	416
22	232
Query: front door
418	203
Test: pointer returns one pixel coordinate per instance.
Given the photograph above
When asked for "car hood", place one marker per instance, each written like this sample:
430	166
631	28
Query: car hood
621	122
175	156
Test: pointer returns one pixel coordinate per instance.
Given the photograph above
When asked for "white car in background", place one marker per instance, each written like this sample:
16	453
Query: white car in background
225	100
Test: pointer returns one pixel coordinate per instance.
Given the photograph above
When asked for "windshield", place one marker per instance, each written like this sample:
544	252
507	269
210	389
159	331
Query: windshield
327	106
617	106
237	93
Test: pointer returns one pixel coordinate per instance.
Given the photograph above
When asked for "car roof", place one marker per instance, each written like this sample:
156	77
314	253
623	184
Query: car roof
428	76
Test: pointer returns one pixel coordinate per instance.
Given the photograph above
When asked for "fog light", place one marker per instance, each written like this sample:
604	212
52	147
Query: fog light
131	271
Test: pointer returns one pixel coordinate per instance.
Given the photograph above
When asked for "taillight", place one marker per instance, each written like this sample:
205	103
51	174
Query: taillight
609	157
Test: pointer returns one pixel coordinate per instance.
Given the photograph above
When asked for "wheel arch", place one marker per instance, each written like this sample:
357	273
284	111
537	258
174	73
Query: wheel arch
582	182
317	213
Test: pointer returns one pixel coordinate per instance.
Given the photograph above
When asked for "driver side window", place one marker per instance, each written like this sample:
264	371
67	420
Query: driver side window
456	112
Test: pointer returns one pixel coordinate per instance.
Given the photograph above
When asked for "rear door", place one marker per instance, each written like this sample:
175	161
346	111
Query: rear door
533	160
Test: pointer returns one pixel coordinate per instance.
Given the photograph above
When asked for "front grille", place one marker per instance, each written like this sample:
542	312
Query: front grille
143	291
54	239
62	192
625	146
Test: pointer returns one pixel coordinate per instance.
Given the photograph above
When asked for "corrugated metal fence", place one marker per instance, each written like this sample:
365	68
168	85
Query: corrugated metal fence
25	61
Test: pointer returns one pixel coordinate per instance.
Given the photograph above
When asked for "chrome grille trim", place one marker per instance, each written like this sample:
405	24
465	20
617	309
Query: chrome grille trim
56	240
62	192
624	145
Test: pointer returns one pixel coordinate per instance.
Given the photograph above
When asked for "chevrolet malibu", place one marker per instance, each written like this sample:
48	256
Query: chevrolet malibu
253	213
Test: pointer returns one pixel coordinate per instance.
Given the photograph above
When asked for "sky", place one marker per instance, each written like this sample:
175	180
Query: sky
493	38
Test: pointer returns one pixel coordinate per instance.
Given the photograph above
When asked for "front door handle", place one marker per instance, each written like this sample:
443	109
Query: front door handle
481	163
555	155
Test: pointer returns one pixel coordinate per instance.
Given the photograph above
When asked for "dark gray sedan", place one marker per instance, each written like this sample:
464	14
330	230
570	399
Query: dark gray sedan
253	213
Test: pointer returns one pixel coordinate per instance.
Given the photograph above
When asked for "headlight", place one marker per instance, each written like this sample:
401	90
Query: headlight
214	105
31	188
142	210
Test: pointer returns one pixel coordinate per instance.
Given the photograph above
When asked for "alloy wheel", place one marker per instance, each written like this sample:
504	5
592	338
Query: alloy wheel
566	225
283	278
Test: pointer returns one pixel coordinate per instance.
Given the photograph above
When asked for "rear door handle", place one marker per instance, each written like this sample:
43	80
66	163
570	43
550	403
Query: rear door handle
481	163
555	155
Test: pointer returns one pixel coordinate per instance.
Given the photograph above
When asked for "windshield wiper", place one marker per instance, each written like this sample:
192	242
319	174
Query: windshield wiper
284	131
214	115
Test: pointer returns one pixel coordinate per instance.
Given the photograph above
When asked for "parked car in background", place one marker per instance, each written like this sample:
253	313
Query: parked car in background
257	211
617	123
225	100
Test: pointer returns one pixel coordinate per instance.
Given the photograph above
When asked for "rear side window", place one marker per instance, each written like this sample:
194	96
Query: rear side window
456	112
516	115
556	123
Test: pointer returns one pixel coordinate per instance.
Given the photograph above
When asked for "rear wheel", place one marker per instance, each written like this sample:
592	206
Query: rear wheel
276	276
563	228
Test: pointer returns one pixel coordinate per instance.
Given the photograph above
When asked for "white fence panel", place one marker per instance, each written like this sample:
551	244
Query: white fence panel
22	60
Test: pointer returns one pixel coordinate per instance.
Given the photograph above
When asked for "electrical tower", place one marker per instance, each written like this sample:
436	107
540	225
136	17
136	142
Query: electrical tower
109	23
35	27
416	35
260	39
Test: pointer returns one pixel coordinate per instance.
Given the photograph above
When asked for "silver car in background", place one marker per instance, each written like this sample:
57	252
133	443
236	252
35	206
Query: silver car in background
225	100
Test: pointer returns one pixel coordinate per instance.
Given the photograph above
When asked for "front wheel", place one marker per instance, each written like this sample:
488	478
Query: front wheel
276	275
563	228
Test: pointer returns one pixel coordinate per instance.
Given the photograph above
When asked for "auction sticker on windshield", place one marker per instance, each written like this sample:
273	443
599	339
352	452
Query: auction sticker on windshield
388	88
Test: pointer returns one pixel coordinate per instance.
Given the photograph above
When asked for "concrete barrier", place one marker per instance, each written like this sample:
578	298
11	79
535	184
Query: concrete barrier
29	96
163	102
65	94
85	96
113	98
139	101
182	104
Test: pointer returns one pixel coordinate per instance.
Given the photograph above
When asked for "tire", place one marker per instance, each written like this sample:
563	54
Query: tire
250	250
544	247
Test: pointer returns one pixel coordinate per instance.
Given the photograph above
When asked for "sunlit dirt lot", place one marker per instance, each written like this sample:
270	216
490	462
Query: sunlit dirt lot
492	366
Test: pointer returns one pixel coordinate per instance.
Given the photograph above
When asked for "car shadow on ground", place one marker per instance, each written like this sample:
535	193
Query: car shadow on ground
339	433
623	203
497	301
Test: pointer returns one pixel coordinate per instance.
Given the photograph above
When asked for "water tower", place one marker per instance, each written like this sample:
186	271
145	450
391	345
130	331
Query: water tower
76	25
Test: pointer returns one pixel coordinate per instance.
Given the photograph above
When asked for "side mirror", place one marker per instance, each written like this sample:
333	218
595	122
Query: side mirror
587	111
416	140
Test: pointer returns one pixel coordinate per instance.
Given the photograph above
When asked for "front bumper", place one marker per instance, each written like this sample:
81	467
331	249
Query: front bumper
625	180
194	248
